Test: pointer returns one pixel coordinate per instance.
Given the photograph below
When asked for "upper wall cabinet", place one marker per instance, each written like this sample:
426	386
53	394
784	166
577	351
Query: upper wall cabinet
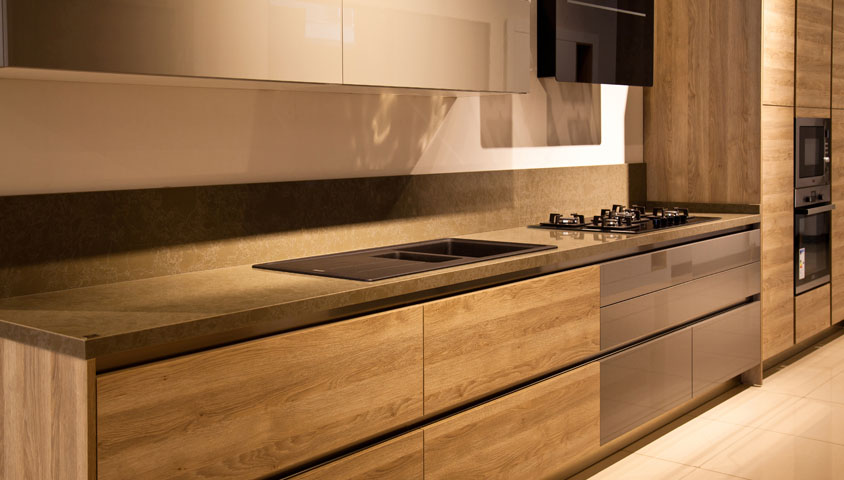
282	40
838	54
480	45
468	45
814	52
778	53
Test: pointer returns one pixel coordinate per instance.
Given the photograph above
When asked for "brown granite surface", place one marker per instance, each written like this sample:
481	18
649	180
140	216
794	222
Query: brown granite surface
63	241
119	317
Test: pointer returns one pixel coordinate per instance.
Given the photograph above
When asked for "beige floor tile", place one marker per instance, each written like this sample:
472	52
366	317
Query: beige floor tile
631	466
750	408
692	443
766	455
701	474
810	418
799	378
831	391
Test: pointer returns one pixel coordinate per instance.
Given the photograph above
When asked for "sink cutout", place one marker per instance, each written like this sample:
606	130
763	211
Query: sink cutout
417	257
467	248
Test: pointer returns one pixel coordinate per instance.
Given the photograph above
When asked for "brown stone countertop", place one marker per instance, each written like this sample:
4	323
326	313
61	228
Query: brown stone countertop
122	323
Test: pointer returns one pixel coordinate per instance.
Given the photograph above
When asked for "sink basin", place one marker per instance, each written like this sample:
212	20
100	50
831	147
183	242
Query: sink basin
406	259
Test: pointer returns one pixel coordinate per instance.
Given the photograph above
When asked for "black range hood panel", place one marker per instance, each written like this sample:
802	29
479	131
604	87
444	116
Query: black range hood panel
596	41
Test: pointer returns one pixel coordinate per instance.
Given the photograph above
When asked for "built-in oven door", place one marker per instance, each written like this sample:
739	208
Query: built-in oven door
811	247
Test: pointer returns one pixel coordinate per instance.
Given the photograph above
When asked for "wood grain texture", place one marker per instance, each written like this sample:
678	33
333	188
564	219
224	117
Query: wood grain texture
535	433
400	458
813	64
702	116
811	313
838	54
46	428
811	112
777	229
259	407
837	235
484	341
778	52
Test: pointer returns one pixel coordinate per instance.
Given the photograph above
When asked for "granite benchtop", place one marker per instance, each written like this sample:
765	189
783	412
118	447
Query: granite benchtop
230	304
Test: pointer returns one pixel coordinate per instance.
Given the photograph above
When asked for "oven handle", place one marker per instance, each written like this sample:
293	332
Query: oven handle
815	210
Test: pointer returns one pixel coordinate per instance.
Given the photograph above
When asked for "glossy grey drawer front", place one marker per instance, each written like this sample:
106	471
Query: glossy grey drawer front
642	274
645	315
639	384
725	346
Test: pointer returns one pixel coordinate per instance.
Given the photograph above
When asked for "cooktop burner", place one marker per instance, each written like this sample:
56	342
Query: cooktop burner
621	219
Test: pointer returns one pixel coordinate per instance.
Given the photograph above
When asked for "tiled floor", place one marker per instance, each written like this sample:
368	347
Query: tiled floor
790	428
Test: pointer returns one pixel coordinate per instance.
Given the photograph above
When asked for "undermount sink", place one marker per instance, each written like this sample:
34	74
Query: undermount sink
397	260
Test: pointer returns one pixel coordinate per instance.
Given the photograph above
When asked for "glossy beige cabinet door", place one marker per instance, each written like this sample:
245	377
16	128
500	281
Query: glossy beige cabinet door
479	45
285	40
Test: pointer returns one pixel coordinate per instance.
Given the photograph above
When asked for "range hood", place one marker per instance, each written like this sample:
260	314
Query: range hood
596	41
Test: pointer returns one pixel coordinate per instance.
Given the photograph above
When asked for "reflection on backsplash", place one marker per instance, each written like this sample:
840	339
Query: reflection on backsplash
55	242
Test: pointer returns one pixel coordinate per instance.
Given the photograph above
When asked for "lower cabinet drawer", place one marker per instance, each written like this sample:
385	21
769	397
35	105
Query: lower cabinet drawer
811	313
644	382
256	408
400	458
534	433
630	320
725	346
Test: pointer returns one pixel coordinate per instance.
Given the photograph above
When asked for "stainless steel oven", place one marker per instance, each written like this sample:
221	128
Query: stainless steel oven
811	152
811	246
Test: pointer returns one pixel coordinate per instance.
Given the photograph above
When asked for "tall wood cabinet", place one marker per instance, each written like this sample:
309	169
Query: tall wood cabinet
813	59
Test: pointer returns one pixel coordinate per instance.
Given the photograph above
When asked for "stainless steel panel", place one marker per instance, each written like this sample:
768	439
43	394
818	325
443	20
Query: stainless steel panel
285	40
725	346
639	384
631	277
630	320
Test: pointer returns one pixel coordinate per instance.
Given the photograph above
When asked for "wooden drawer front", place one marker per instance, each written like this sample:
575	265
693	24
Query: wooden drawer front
258	407
814	53
481	342
640	317
725	346
644	382
536	432
811	313
400	458
634	276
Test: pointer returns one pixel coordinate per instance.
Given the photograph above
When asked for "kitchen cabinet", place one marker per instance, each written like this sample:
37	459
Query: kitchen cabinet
484	341
838	54
777	229
536	432
480	45
778	52
811	313
725	346
399	458
837	233
255	408
245	39
813	60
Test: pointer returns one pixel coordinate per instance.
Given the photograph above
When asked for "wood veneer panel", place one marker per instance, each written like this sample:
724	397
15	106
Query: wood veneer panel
777	229
259	407
810	112
838	54
811	313
537	432
702	115
837	236
778	52
484	341
400	458
813	68
46	402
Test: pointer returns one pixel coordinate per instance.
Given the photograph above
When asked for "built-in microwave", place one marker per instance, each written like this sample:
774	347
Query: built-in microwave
811	152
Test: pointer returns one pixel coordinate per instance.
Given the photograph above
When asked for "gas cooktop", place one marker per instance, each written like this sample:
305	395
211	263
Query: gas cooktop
621	219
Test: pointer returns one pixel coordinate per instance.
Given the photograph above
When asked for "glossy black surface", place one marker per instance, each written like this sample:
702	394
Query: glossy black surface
596	41
406	259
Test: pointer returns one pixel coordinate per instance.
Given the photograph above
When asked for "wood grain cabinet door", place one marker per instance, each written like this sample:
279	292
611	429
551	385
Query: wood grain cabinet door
399	458
537	432
481	342
814	53
778	52
260	407
837	232
811	313
838	54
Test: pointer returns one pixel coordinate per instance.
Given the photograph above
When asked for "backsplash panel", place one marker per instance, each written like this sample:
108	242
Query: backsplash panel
60	241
